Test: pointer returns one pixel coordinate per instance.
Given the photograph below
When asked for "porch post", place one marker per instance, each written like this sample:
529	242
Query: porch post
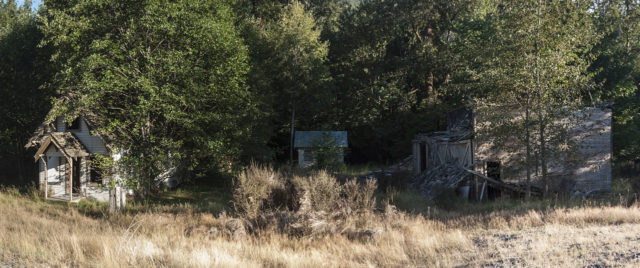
46	183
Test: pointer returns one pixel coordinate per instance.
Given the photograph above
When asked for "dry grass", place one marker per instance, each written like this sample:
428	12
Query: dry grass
37	233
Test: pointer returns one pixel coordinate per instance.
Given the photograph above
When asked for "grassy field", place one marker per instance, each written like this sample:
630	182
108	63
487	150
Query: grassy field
179	232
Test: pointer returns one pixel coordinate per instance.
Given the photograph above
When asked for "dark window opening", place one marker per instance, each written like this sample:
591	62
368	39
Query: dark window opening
76	176
75	125
423	157
493	171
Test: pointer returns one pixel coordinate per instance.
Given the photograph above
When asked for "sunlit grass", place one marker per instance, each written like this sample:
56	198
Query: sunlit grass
538	233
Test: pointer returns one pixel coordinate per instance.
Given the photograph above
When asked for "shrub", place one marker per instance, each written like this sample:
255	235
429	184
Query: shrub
253	188
359	196
302	205
323	190
327	154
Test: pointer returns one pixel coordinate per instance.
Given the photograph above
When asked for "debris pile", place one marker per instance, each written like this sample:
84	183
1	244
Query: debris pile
404	165
445	176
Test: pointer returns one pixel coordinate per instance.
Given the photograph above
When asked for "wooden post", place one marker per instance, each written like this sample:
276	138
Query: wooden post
117	199
46	182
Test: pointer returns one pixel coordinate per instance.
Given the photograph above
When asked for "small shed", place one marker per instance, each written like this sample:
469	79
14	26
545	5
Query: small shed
308	142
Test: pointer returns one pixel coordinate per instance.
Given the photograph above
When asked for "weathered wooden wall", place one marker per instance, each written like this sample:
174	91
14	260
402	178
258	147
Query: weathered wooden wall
586	168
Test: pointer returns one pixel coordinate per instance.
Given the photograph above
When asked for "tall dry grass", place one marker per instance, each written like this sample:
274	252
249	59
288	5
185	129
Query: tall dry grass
38	233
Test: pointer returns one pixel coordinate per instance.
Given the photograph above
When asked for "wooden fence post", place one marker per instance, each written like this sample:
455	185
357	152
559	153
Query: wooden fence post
117	199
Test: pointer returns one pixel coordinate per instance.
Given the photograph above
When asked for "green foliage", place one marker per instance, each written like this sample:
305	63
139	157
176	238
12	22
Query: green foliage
163	80
24	72
392	61
619	74
289	73
406	199
327	154
534	67
208	85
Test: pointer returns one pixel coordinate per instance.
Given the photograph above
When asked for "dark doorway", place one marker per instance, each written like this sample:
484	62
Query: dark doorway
76	176
493	171
423	157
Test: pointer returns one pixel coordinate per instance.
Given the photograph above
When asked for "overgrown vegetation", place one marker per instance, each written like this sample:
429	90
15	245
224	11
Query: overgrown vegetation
303	204
550	232
175	95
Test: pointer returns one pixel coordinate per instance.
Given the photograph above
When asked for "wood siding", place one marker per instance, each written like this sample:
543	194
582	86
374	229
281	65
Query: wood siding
588	168
93	144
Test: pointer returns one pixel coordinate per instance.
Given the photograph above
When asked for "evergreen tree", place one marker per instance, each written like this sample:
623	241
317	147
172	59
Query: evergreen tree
24	73
289	74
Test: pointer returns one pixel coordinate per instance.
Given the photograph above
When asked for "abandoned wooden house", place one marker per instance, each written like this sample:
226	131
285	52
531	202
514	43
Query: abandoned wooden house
466	156
65	153
307	142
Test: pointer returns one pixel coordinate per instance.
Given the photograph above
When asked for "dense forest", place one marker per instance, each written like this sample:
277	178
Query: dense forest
214	85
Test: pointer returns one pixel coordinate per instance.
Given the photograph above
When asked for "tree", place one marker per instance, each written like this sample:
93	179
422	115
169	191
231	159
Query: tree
391	61
24	72
289	73
164	80
617	63
535	61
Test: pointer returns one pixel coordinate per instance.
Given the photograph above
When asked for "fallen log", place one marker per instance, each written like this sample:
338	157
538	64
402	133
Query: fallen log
499	184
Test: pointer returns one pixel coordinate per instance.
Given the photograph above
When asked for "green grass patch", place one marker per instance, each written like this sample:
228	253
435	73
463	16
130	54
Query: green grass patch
358	170
198	197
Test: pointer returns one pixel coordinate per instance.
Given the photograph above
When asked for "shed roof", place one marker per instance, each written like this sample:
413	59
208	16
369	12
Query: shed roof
312	138
66	143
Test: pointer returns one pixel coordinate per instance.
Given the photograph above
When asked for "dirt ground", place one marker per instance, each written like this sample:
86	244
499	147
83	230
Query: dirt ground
558	245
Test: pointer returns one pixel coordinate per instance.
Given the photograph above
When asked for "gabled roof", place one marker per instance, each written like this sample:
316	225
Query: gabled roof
313	138
66	143
40	134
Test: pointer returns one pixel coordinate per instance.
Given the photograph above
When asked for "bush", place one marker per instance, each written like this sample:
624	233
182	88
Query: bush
302	205
253	188
323	190
328	155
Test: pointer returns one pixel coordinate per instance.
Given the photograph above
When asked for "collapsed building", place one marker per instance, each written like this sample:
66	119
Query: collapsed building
470	158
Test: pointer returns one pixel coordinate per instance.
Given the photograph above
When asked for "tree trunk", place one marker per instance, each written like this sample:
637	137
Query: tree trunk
293	127
528	157
543	155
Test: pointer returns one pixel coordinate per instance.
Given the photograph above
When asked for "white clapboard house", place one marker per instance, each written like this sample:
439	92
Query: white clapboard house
65	154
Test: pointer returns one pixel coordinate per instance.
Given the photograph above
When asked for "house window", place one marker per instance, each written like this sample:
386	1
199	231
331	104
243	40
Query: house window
75	125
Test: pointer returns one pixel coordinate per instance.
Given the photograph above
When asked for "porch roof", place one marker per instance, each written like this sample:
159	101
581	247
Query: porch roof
66	143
